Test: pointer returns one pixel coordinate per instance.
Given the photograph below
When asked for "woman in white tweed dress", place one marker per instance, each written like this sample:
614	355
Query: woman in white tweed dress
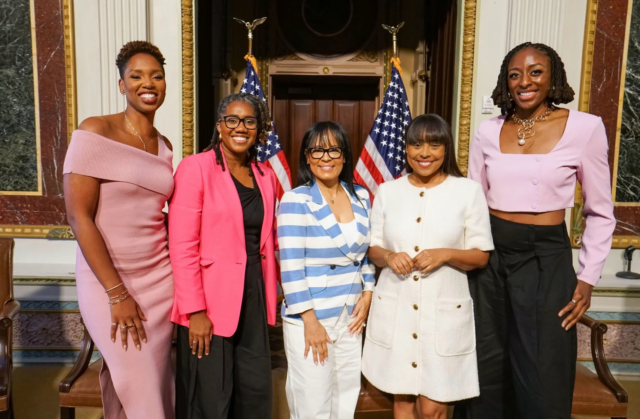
427	230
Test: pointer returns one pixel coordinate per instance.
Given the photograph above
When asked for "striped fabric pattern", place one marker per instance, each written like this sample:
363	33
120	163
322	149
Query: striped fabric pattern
319	270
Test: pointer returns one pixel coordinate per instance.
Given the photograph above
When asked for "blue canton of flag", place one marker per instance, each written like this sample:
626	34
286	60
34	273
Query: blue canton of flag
383	157
271	152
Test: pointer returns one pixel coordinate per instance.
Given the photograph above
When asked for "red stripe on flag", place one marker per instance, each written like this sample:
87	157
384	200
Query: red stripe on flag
285	165
371	165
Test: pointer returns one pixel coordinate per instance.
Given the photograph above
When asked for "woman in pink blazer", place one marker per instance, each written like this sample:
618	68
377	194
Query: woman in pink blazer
221	242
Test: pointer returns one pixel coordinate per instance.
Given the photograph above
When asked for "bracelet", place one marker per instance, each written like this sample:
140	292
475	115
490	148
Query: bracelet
112	288
126	291
118	301
386	259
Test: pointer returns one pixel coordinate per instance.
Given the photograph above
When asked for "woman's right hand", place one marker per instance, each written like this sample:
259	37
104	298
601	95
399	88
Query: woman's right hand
400	263
316	338
200	333
128	317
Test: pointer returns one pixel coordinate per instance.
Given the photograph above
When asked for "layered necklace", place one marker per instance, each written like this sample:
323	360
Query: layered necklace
527	131
144	143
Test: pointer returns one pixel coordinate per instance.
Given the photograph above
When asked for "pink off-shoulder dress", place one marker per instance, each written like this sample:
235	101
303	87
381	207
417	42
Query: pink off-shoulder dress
134	186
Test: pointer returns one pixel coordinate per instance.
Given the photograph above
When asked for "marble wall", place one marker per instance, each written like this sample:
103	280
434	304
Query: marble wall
628	173
49	24
607	80
18	142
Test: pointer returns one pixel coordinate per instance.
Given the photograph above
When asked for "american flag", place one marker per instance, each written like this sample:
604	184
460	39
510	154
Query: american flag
271	152
383	156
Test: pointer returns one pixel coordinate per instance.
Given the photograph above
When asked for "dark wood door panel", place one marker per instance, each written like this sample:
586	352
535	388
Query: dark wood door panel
301	117
368	114
347	113
299	102
324	110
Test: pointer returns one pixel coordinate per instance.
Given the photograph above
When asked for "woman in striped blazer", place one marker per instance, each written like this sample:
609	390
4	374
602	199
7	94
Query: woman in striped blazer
323	233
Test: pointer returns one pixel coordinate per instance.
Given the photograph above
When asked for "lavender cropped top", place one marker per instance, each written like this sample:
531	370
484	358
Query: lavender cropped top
546	182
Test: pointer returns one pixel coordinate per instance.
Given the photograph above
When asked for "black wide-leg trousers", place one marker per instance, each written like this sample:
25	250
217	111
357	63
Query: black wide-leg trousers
526	360
234	380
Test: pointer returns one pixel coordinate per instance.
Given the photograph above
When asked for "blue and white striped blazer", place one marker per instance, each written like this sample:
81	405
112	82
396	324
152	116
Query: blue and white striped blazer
319	270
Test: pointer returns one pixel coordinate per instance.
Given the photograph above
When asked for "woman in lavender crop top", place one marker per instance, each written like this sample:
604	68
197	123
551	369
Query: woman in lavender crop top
529	298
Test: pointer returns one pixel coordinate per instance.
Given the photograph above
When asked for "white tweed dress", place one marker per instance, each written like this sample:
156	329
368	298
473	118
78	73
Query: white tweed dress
420	336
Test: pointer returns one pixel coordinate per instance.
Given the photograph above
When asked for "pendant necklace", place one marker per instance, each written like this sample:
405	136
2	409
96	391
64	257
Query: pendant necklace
527	130
144	144
334	198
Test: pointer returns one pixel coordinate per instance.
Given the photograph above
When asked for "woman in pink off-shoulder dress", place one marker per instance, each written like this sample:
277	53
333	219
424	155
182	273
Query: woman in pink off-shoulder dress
118	175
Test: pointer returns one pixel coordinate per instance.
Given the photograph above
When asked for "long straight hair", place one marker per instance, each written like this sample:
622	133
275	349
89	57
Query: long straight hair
431	128
318	133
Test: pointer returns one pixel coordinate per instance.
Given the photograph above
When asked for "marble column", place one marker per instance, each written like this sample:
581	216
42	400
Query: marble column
18	137
628	170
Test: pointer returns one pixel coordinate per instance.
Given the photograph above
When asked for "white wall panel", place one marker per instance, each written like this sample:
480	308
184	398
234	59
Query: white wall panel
120	21
540	21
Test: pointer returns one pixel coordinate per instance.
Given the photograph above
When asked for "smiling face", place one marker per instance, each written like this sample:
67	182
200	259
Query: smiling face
425	159
529	78
325	168
143	83
240	139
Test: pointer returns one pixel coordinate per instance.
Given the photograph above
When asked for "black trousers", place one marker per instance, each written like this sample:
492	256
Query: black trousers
526	360
234	380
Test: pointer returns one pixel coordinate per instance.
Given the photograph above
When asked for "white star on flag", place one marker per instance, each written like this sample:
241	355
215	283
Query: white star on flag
381	160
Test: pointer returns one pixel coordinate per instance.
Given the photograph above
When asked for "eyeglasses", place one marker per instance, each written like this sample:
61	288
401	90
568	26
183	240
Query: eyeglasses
231	122
318	152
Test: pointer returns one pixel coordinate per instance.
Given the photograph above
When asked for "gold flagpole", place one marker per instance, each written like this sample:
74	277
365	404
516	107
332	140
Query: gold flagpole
393	30
250	28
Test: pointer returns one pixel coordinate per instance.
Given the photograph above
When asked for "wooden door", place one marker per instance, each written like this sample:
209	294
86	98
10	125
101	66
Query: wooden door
299	102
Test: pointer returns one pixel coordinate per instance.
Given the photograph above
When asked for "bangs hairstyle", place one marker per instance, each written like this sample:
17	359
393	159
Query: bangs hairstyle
318	134
431	128
559	91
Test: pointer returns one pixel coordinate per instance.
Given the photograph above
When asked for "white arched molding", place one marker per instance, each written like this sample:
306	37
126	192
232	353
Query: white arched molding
101	28
536	21
558	24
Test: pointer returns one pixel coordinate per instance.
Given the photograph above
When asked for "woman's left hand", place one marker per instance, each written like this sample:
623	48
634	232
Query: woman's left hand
430	259
582	298
360	313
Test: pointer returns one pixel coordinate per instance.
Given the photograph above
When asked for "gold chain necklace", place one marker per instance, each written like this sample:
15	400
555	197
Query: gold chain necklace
144	144
527	130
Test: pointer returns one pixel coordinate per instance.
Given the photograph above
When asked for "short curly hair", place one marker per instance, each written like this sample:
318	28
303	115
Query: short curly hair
132	48
264	126
560	91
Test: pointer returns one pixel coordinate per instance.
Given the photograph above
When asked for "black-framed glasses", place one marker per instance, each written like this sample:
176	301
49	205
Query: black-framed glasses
319	152
231	122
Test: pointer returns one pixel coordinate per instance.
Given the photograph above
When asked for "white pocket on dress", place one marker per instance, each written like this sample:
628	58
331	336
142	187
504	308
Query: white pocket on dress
455	327
382	320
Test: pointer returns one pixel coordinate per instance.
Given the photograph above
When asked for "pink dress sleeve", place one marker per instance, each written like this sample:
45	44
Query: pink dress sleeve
477	169
185	213
593	175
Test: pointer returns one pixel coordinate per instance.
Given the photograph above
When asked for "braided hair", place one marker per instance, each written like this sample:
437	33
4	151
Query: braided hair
264	126
560	91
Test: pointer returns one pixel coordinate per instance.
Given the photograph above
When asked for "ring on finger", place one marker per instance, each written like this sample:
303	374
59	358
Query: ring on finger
114	324
574	301
194	342
129	326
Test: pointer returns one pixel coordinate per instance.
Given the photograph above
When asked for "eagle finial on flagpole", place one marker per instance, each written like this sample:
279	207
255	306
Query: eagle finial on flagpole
250	28
394	31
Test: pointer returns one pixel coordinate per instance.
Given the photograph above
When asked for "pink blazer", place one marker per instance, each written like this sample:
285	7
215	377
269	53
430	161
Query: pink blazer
206	243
